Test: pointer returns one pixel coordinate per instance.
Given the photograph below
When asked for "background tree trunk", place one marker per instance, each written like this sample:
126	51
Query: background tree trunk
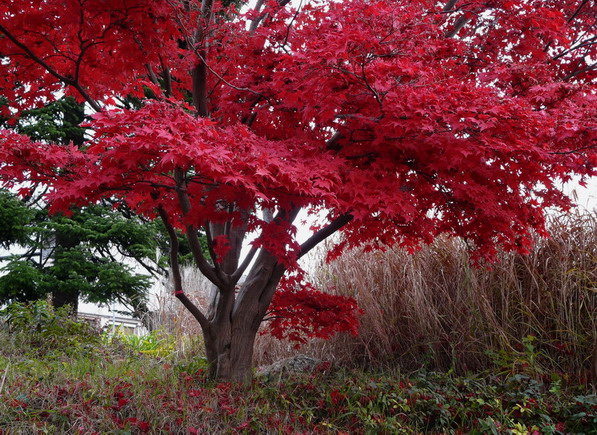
64	295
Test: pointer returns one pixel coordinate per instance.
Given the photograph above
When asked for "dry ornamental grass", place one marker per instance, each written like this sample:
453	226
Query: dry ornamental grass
535	313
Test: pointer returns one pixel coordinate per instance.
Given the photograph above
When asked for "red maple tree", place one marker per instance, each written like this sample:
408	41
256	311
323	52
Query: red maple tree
398	120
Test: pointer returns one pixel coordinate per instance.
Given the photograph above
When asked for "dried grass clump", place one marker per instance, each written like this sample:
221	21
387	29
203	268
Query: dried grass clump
433	308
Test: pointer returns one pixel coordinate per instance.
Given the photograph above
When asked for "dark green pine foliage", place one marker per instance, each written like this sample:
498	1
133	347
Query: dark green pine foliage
77	257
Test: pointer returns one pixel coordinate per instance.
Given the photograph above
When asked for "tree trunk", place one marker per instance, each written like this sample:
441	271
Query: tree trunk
64	295
61	298
230	357
235	321
233	318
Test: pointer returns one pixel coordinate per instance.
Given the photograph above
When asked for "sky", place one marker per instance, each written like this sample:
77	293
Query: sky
586	196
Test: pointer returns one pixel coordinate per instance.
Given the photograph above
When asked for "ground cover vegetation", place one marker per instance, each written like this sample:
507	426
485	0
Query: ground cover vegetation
61	376
399	121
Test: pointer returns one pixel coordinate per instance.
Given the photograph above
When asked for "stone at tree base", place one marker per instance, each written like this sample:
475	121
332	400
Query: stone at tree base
294	364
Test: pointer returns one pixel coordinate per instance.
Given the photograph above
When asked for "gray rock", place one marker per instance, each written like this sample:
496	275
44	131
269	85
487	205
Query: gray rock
294	364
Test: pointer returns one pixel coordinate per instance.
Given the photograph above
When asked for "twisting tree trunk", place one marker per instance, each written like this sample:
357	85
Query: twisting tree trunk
235	312
230	337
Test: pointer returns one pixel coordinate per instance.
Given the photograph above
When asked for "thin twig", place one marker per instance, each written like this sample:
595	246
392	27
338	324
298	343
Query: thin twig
4	377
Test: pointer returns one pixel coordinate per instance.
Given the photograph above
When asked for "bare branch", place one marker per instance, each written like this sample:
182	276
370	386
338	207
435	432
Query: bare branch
210	248
226	82
576	12
191	233
585	43
324	233
235	277
199	72
575	151
255	22
448	6
151	74
332	143
167	78
459	24
176	275
580	71
261	17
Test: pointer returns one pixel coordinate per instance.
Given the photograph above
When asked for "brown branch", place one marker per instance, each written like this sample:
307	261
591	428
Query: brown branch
332	143
199	72
576	12
191	233
324	233
167	78
575	151
585	43
255	22
448	6
580	71
210	248
151	74
459	24
238	273
177	276
199	75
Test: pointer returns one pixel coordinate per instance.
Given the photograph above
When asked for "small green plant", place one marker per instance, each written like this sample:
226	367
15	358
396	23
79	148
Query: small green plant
156	343
36	315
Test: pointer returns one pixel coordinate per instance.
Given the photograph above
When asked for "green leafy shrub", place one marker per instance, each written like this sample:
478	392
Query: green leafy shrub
39	327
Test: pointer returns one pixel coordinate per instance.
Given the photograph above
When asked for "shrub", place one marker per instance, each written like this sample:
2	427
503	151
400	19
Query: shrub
39	327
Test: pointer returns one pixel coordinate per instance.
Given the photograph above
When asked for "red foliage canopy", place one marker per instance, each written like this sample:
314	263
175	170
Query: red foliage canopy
402	119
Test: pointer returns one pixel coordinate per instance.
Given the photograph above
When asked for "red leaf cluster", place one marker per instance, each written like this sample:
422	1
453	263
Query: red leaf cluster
402	120
300	312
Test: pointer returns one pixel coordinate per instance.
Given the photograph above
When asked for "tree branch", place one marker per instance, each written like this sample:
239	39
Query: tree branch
167	78
176	275
185	204
576	12
210	248
324	233
261	17
459	24
580	71
255	22
575	151
151	75
585	43
199	72
64	79
238	273
449	5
